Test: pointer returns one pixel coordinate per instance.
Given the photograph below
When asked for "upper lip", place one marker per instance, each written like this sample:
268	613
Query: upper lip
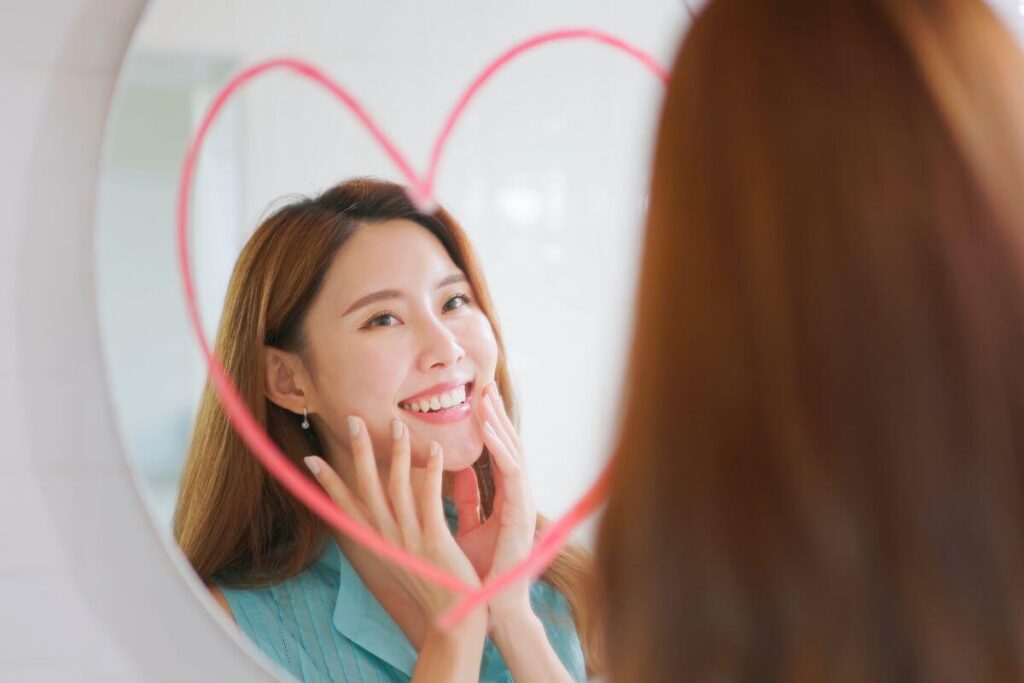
437	389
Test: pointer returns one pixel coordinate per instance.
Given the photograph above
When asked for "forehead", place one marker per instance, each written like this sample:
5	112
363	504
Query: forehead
394	253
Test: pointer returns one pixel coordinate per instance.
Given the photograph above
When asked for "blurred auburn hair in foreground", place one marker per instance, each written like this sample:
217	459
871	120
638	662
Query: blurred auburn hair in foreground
820	467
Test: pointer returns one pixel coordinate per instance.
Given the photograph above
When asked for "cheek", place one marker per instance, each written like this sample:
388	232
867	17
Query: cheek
380	379
480	344
371	392
366	384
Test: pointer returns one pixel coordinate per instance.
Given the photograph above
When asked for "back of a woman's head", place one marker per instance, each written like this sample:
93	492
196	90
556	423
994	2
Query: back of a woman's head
821	463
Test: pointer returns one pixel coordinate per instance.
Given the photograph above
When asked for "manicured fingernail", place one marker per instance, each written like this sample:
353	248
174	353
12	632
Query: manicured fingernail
435	450
490	428
489	402
353	425
312	464
396	429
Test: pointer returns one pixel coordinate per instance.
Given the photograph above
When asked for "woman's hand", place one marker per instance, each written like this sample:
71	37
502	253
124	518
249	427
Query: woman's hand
508	535
506	538
394	515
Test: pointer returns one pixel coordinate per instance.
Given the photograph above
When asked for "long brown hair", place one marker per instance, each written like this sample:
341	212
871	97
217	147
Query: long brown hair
820	466
236	524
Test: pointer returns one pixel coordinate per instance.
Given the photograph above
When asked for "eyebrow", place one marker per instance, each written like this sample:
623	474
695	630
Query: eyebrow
385	294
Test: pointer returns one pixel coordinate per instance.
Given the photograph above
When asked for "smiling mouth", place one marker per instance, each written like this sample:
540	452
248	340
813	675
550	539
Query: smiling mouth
440	402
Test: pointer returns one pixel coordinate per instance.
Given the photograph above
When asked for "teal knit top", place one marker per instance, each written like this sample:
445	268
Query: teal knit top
324	625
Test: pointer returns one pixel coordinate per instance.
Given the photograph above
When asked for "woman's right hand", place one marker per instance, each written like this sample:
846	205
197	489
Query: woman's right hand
415	523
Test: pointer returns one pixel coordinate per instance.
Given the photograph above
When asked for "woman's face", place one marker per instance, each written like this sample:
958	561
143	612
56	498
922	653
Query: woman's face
396	332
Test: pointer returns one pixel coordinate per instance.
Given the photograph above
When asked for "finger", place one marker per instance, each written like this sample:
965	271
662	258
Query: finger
511	472
368	480
503	418
336	488
430	499
466	493
499	488
401	492
491	417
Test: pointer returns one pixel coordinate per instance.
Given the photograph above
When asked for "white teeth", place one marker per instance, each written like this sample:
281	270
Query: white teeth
438	402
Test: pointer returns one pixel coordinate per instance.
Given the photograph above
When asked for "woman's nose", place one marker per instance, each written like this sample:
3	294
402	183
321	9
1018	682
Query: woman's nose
440	348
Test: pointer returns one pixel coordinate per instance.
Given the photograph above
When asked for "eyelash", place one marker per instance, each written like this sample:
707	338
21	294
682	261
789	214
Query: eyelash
384	314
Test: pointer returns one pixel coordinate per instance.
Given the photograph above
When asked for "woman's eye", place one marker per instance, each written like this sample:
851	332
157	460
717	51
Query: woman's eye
382	320
461	298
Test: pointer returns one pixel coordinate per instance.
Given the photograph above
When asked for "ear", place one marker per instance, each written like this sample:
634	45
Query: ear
285	380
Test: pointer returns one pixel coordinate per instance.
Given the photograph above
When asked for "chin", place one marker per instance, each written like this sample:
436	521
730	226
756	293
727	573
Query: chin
461	460
460	451
460	446
457	453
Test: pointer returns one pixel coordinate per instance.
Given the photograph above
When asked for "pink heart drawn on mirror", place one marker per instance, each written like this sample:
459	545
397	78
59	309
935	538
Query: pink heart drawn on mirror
421	193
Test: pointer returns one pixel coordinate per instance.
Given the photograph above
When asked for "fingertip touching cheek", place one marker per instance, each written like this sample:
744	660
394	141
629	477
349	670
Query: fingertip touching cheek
397	333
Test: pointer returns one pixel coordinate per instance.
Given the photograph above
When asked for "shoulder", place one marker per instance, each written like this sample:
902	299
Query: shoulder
556	615
546	597
277	604
218	595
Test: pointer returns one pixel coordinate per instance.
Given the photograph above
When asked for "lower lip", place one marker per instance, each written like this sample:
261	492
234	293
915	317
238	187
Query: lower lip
446	416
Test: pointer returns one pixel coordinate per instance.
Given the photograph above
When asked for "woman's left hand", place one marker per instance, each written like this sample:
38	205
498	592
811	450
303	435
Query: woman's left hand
506	538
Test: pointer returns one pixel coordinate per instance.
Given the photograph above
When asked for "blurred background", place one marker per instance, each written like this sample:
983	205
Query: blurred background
546	171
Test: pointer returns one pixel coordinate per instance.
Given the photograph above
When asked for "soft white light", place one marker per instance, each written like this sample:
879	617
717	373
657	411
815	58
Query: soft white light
521	205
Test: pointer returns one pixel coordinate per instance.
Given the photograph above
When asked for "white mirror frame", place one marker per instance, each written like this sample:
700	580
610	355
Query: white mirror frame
88	589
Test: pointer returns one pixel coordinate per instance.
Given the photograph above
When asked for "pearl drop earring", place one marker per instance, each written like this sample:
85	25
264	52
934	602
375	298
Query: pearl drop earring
305	419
